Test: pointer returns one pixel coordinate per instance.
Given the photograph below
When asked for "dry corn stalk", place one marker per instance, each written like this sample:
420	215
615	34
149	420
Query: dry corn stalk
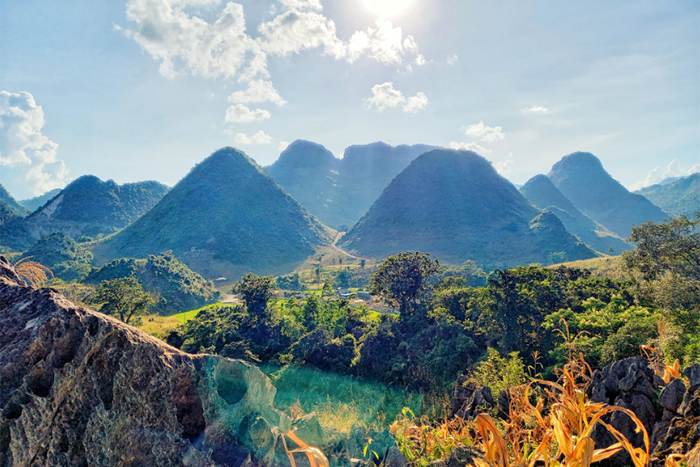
34	274
562	436
315	456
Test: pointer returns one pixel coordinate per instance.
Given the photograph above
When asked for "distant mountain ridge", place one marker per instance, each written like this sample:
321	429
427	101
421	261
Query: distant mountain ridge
309	172
89	206
580	176
225	218
454	205
38	201
11	203
340	191
678	196
541	192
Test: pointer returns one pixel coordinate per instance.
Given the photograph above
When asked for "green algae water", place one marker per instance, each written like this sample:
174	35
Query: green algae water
340	401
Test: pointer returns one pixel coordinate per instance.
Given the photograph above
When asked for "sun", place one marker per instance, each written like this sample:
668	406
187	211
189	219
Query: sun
387	8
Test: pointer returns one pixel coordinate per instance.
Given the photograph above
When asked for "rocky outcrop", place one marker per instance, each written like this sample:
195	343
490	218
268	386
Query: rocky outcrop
79	388
669	411
469	400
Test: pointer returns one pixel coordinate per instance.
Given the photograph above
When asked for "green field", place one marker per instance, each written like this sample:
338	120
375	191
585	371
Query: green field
186	316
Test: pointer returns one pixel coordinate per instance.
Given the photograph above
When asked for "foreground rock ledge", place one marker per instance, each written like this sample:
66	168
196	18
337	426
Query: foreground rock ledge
79	388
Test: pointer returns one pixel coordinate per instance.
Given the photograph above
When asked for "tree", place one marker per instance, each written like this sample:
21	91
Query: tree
402	280
668	257
256	292
123	297
672	246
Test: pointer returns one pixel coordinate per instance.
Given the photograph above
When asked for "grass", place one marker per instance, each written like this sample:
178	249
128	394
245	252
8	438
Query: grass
186	316
159	326
607	266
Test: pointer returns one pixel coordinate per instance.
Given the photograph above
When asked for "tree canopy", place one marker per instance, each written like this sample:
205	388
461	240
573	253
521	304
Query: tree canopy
123	297
402	279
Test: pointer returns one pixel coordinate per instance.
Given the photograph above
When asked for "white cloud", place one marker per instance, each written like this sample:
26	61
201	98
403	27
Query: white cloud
239	113
184	42
258	138
26	154
487	134
416	103
258	91
469	147
195	37
293	31
385	43
302	4
503	167
535	109
659	174
452	59
283	145
384	96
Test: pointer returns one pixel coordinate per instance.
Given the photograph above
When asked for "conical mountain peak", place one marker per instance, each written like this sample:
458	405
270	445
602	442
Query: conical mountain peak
225	218
455	205
581	177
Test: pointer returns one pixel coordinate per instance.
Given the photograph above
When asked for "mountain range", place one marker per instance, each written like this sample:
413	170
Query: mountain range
228	216
38	201
581	178
11	204
91	207
454	205
678	196
225	218
541	192
340	191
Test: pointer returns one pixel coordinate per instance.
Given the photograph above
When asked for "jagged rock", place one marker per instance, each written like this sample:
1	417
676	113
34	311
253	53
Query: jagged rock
79	388
693	375
690	407
672	395
469	400
631	384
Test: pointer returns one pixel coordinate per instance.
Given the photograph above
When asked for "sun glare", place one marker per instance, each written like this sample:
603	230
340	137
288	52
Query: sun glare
387	8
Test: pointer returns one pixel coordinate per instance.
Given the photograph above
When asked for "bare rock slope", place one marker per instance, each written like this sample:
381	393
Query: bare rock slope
79	388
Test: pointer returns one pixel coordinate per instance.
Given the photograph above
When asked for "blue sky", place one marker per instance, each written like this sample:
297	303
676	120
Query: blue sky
83	88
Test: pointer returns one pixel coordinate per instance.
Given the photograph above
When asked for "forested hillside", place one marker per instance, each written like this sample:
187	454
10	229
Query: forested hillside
454	205
225	218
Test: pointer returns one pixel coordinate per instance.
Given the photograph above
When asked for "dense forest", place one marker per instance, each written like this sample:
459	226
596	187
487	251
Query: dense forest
445	324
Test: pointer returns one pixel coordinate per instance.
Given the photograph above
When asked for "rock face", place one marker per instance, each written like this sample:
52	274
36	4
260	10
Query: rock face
79	388
673	427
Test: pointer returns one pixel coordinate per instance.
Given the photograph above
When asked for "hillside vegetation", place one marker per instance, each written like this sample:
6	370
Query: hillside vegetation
90	207
67	259
175	287
340	191
678	197
581	178
454	205
38	201
11	204
225	218
541	192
